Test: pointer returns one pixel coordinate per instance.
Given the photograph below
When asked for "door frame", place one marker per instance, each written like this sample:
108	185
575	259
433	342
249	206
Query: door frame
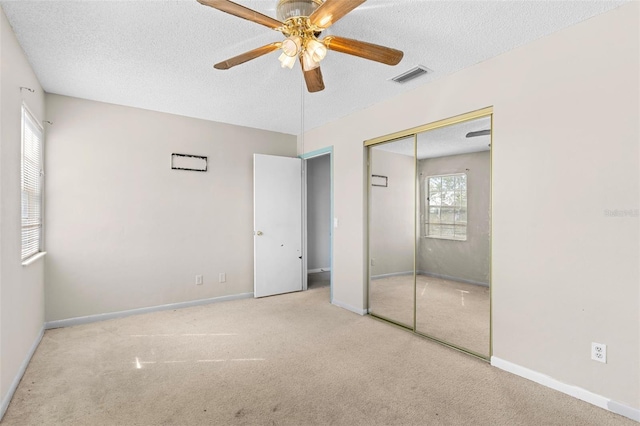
307	156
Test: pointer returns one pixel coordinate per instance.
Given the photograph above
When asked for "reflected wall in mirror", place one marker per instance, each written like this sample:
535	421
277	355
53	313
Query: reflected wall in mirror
454	235
392	231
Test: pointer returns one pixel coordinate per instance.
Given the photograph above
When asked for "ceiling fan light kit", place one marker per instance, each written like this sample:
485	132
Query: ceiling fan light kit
294	8
316	49
308	62
287	61
301	22
291	45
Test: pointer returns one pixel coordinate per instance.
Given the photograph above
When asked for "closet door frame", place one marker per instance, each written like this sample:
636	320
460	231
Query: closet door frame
484	112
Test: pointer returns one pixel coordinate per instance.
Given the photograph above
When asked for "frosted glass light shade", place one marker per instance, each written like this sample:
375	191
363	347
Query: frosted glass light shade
292	8
291	45
318	50
287	61
308	63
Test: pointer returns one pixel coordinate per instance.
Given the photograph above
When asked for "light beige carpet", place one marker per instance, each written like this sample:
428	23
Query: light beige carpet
454	312
286	360
392	298
451	311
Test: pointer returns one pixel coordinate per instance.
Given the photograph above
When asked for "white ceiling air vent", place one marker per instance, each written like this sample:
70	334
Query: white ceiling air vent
413	73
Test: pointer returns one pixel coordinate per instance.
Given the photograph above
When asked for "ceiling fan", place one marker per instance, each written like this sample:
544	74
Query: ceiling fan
486	132
302	22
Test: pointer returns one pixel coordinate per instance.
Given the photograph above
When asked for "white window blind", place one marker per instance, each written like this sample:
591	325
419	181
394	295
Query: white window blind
31	185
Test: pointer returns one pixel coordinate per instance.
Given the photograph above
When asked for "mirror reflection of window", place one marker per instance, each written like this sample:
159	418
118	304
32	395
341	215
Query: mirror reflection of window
446	205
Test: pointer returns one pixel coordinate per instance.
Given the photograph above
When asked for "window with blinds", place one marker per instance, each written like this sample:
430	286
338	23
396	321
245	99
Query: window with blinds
446	202
31	183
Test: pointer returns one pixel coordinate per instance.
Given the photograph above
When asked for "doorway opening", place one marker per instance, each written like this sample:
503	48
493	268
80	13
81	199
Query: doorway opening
318	219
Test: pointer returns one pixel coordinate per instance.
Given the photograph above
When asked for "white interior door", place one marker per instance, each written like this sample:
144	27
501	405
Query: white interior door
277	221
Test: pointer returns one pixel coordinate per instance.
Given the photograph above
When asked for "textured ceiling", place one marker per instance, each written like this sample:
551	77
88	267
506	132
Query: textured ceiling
159	55
449	140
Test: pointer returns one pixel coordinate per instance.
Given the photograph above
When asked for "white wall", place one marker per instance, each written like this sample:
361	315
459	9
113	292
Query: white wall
391	235
565	149
21	287
318	212
125	231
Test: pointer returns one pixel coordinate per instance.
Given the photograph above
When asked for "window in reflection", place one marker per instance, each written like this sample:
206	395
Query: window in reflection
446	207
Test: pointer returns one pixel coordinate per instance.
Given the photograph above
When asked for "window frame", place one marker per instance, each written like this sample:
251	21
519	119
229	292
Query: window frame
427	209
25	115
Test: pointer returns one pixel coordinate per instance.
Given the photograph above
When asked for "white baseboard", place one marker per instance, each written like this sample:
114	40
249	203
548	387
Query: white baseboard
16	380
451	278
318	271
429	274
102	317
349	307
574	391
393	274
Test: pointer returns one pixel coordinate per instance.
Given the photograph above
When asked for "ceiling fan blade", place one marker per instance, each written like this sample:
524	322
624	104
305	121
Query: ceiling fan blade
373	52
247	56
331	10
314	80
242	12
479	133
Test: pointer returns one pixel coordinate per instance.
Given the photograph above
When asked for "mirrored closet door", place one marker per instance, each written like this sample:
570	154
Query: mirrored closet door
430	231
392	230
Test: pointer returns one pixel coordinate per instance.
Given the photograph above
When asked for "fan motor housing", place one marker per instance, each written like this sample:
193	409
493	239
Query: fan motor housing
288	9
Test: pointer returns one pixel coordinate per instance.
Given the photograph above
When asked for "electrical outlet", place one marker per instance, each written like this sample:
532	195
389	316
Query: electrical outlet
599	352
373	262
222	277
199	280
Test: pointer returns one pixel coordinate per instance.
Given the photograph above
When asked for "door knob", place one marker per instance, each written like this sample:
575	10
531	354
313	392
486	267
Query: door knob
259	233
